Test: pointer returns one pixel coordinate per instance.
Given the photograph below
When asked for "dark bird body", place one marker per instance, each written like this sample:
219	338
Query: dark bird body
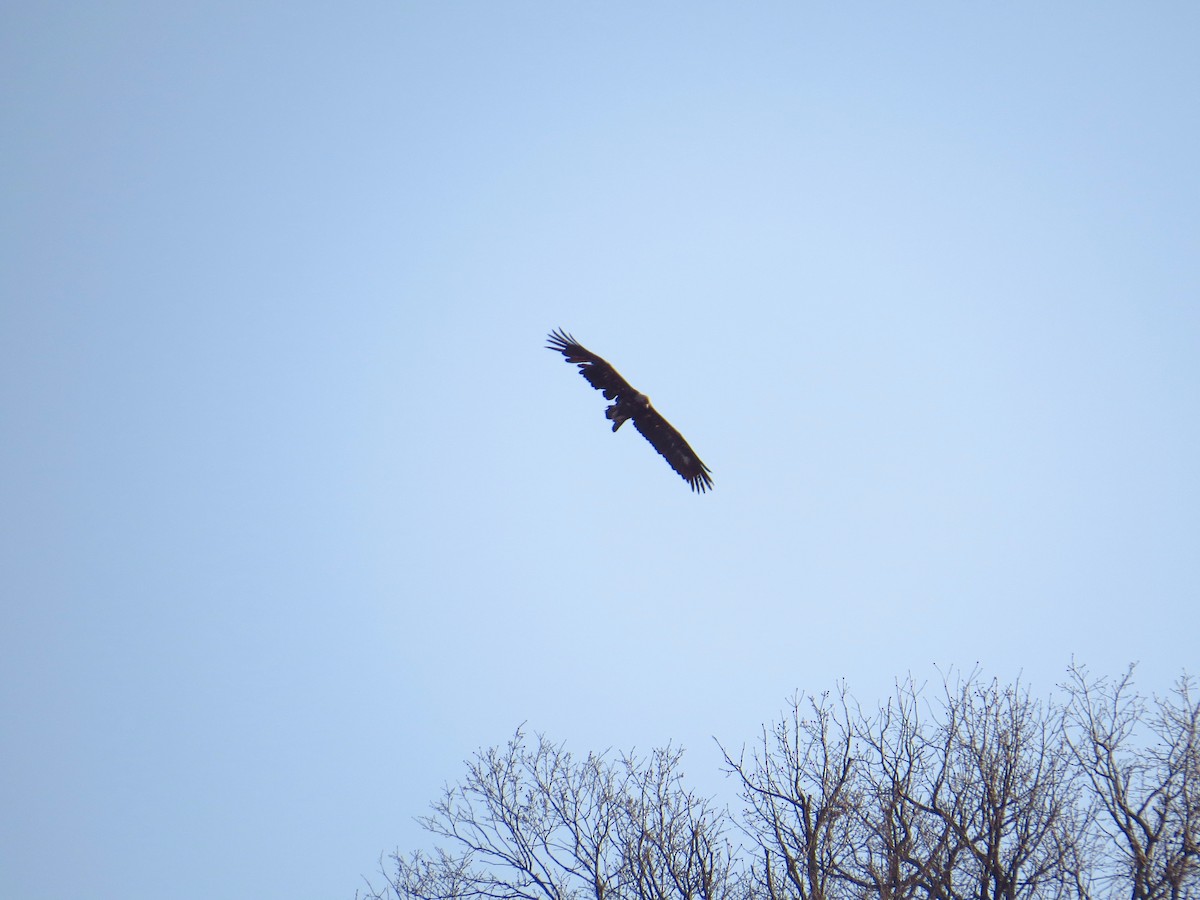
633	405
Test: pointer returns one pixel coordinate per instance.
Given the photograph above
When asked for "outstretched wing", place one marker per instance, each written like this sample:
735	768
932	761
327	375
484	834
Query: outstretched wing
598	372
673	448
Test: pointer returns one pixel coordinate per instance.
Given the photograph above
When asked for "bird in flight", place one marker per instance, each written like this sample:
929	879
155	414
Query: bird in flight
632	405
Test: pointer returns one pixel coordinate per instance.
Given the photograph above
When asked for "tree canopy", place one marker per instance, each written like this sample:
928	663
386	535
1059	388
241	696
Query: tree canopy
967	789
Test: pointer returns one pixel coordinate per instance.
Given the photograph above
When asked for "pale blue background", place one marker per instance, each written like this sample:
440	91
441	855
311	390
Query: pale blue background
297	512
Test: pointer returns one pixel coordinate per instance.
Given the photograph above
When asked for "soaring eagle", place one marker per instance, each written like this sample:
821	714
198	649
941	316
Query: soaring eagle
632	405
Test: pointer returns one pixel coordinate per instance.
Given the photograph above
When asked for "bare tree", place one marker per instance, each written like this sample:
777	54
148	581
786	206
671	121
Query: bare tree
535	824
974	791
904	851
673	841
978	801
1003	787
1149	795
800	791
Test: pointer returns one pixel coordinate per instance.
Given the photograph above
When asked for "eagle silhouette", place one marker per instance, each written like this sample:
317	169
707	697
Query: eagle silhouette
632	405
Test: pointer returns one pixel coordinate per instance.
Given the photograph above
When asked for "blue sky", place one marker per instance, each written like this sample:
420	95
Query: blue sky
297	512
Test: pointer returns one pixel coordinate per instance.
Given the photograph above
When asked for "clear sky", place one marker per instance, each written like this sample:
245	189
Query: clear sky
296	512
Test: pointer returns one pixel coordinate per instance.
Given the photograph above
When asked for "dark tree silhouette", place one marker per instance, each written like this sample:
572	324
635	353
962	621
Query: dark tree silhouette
972	790
534	823
980	801
1148	794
